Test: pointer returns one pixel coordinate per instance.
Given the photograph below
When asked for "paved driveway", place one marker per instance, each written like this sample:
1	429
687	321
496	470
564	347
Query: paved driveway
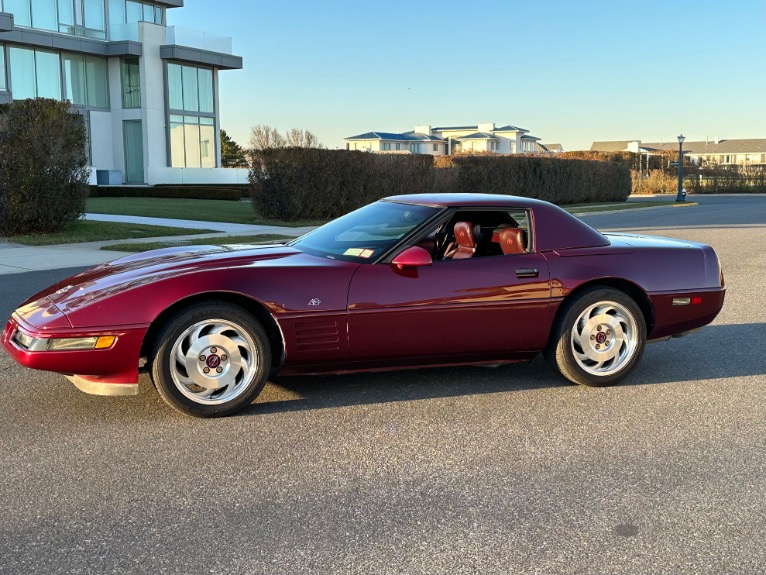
469	470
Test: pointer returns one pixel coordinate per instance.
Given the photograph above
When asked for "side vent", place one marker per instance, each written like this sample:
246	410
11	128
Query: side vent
319	335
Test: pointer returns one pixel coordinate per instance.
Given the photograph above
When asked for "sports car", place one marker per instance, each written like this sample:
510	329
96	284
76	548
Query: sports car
407	281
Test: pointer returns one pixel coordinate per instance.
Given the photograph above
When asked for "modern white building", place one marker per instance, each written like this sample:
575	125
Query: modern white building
148	92
445	140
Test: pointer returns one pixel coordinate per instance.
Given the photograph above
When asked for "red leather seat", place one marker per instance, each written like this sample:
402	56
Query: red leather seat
465	239
513	241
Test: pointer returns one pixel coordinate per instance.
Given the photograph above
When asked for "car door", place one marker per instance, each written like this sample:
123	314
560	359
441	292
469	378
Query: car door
477	306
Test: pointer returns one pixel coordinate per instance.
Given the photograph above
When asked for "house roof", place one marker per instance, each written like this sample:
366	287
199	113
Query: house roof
740	146
744	146
478	136
405	137
613	146
510	128
449	128
552	147
525	137
423	137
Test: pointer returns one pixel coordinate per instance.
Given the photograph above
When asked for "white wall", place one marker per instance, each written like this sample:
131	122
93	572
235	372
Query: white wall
165	175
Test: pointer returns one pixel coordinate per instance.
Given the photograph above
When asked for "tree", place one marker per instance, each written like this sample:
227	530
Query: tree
43	166
265	137
232	154
296	138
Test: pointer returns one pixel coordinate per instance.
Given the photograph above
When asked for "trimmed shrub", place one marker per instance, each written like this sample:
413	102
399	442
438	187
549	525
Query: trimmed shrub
43	167
309	183
231	193
725	179
543	177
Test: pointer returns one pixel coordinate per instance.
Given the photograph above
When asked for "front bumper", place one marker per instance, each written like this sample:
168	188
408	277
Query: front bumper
95	368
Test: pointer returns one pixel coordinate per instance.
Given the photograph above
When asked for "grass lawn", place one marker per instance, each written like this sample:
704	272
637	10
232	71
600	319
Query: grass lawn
186	209
89	231
223	240
580	208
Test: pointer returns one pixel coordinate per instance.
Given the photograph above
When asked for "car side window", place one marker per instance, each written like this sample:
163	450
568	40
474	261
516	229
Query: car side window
481	233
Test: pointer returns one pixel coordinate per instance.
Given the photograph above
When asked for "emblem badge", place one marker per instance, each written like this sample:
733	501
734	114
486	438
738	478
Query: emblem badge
315	301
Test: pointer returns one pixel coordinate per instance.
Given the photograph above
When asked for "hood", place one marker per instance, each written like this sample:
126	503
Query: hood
148	267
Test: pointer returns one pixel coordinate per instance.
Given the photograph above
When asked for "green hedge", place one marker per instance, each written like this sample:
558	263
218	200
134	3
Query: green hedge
43	168
188	192
309	183
725	179
552	179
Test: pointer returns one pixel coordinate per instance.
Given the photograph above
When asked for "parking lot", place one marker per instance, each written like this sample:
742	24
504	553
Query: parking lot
455	470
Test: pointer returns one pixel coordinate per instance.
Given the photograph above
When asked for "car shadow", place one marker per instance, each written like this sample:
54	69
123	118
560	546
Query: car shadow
705	355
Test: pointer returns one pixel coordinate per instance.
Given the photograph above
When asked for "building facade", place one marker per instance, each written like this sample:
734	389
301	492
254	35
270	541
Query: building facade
148	92
742	152
446	140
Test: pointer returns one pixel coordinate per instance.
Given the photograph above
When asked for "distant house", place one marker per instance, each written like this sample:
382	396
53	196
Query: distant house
718	151
444	140
550	148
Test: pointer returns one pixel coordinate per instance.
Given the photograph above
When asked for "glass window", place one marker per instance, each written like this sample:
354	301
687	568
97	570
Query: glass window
94	14
159	15
177	153
48	75
20	11
191	141
98	92
148	13
191	95
3	85
205	76
116	12
22	63
133	11
66	16
131	83
366	233
74	78
207	142
175	87
44	15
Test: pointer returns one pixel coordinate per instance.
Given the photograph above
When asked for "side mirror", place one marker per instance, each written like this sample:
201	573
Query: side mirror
413	257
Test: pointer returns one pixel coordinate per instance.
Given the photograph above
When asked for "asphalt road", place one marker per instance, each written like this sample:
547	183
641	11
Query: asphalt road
469	470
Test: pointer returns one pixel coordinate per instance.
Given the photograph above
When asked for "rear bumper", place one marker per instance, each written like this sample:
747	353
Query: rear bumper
673	319
115	365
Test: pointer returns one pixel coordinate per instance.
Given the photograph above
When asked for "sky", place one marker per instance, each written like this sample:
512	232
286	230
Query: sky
570	72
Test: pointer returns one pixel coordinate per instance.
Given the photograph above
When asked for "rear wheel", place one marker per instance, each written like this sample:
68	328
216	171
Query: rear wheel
599	338
210	360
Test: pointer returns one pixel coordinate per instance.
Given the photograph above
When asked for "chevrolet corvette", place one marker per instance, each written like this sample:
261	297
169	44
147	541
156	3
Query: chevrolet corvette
404	282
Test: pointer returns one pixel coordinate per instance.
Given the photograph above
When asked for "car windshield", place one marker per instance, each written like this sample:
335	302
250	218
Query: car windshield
365	234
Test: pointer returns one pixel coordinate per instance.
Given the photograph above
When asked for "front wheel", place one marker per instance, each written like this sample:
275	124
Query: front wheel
210	360
598	339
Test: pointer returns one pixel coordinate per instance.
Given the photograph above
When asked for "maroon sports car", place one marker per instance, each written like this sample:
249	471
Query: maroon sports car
408	281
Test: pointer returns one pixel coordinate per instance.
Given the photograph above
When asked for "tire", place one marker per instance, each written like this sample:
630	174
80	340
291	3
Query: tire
598	338
210	360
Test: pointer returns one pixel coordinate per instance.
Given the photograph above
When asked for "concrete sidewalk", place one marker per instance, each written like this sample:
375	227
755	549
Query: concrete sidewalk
18	258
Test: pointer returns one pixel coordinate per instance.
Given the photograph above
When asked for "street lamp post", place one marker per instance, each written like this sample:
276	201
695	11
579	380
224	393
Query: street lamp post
680	197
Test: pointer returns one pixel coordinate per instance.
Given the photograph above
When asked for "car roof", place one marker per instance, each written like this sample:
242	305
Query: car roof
554	228
458	200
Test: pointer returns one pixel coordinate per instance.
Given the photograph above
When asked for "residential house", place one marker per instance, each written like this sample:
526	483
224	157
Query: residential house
148	92
717	151
439	141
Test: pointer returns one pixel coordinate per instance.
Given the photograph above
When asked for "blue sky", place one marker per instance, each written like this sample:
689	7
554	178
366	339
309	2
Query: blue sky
570	72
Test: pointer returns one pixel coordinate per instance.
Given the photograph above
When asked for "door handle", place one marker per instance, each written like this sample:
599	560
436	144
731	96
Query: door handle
527	272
